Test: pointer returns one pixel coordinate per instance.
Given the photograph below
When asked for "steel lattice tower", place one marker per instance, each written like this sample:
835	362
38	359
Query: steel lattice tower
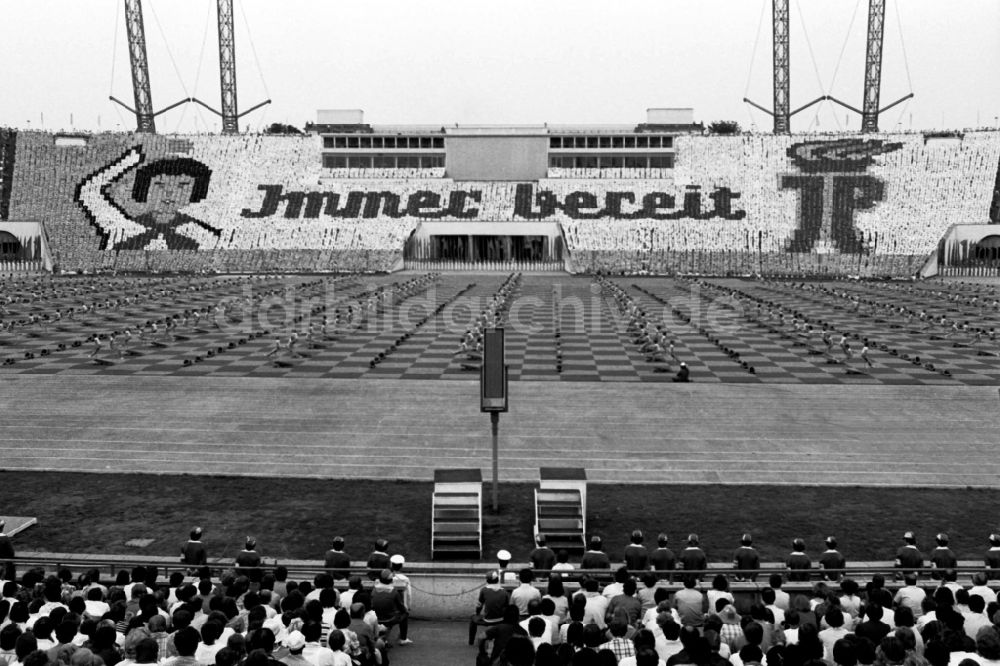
140	70
782	85
227	68
873	66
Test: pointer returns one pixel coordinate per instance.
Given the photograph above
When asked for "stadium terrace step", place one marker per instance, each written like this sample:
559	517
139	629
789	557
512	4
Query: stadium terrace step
560	508
557	506
560	525
444	529
455	499
456	550
550	497
448	513
457	526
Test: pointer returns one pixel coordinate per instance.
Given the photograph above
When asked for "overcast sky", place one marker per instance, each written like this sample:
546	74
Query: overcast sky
509	62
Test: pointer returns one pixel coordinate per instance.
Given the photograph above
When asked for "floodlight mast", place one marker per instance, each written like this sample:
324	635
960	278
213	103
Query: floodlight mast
873	66
227	73
145	117
227	68
873	71
781	76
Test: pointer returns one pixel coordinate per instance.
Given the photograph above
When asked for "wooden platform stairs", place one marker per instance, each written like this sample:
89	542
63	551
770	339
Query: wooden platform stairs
457	523
561	508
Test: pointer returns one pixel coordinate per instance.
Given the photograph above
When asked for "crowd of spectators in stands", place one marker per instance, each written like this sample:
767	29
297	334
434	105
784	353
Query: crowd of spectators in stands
47	192
250	616
925	188
658	608
920	201
927	618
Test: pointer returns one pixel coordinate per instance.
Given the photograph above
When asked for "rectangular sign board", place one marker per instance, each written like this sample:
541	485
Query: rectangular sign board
493	374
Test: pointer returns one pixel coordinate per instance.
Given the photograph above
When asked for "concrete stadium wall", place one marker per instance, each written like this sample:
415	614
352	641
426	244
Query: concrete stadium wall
496	157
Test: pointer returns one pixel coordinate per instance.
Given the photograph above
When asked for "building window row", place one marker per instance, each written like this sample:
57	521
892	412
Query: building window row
611	142
383	161
605	161
362	142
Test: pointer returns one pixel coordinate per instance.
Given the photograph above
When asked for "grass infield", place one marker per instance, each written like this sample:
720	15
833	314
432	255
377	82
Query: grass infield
296	519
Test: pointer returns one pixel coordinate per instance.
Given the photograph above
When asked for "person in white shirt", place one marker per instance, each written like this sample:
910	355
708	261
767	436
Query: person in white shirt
980	587
337	641
668	641
525	593
211	633
556	593
596	603
95	606
138	576
778	615
781	598
720	590
400	580
507	577
910	595
835	630
562	561
976	619
850	602
313	651
612	590
353	587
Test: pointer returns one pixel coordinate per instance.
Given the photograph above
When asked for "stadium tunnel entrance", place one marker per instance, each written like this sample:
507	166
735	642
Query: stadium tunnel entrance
969	250
22	247
499	245
10	246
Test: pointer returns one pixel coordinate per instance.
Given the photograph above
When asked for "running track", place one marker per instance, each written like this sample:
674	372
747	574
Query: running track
404	429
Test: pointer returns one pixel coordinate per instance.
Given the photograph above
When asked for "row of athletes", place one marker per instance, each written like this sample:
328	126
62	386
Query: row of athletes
800	323
142	293
120	342
982	302
801	329
961	330
493	316
958	327
377	300
797	325
190	318
109	298
38	290
746	559
54	318
352	317
649	338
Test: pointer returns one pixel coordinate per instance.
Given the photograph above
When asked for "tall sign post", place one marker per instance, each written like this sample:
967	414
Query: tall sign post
493	392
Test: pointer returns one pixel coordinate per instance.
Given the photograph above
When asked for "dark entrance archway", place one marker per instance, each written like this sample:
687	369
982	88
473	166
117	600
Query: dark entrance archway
473	248
987	249
10	247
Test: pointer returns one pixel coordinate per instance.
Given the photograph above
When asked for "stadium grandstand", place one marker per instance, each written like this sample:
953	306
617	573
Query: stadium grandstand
657	198
751	379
